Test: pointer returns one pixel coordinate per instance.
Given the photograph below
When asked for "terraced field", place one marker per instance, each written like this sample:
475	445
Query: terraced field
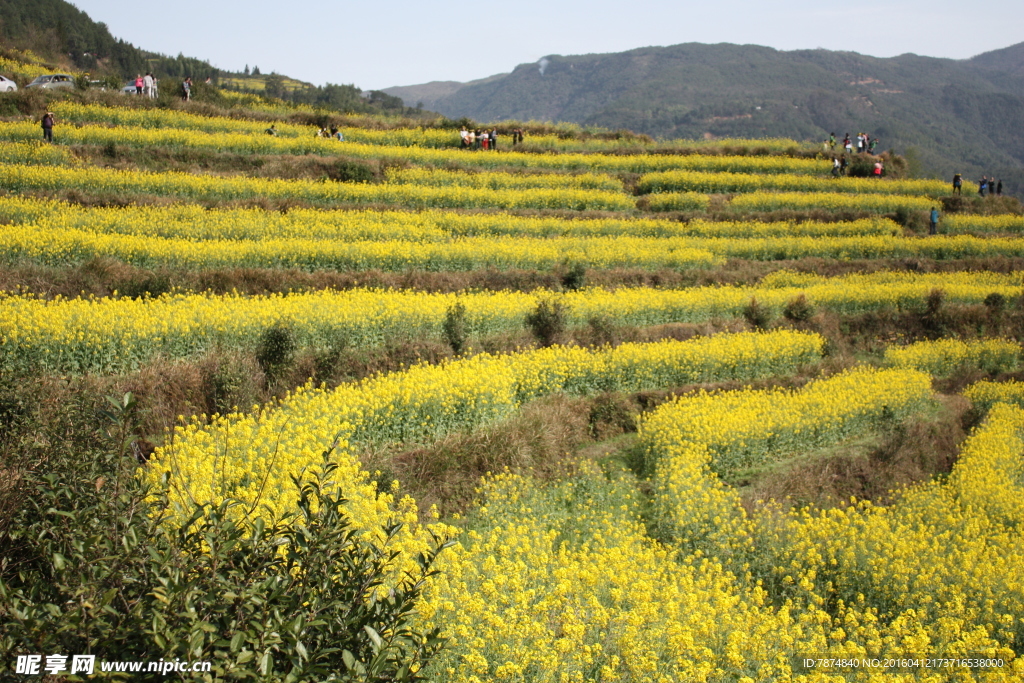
705	414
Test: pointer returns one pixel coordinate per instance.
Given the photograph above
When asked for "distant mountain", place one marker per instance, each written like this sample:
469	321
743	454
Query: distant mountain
953	115
429	94
1009	59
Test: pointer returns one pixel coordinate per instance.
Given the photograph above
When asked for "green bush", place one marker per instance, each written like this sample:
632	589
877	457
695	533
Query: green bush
350	171
94	563
276	349
547	322
996	303
575	278
861	166
799	309
757	314
454	327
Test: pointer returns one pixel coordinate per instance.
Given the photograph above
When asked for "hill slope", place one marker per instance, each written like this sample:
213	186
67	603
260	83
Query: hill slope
68	39
959	115
64	34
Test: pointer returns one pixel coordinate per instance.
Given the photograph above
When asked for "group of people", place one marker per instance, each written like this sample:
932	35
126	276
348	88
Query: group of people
986	184
840	164
323	132
486	139
994	188
865	144
331	132
476	139
146	85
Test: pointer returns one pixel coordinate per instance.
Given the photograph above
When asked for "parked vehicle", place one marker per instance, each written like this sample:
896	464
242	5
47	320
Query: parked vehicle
49	81
7	85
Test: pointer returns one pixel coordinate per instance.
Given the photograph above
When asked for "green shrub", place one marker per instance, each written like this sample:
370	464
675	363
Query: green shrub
603	330
996	303
349	171
575	278
95	564
934	319
757	314
861	166
547	322
798	310
276	348
611	415
454	327
933	302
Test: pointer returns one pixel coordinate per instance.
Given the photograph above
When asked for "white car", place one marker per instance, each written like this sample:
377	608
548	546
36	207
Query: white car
7	85
50	81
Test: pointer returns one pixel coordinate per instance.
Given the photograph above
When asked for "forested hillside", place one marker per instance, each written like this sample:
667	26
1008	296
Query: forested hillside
70	40
950	115
60	32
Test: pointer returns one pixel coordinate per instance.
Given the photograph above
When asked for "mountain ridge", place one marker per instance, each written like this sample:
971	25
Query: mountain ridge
952	115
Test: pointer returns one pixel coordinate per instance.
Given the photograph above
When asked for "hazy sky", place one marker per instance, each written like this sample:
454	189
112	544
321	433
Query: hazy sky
376	45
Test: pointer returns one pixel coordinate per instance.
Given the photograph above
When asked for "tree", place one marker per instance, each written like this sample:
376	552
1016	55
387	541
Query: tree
273	85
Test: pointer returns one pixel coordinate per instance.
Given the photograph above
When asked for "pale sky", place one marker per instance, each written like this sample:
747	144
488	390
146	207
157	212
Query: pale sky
377	45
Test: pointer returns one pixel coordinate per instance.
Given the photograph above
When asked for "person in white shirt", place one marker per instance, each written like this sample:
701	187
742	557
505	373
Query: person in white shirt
147	83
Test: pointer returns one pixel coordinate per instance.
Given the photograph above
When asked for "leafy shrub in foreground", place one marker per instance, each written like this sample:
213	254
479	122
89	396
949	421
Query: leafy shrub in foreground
95	565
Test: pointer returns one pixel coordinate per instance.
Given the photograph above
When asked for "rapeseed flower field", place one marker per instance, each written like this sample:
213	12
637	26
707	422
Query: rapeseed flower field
657	555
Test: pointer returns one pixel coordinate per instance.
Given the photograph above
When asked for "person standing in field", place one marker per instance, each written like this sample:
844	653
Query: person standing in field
933	227
878	168
147	83
494	139
999	188
982	186
139	84
832	141
842	164
958	182
835	167
464	137
186	88
47	124
847	144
